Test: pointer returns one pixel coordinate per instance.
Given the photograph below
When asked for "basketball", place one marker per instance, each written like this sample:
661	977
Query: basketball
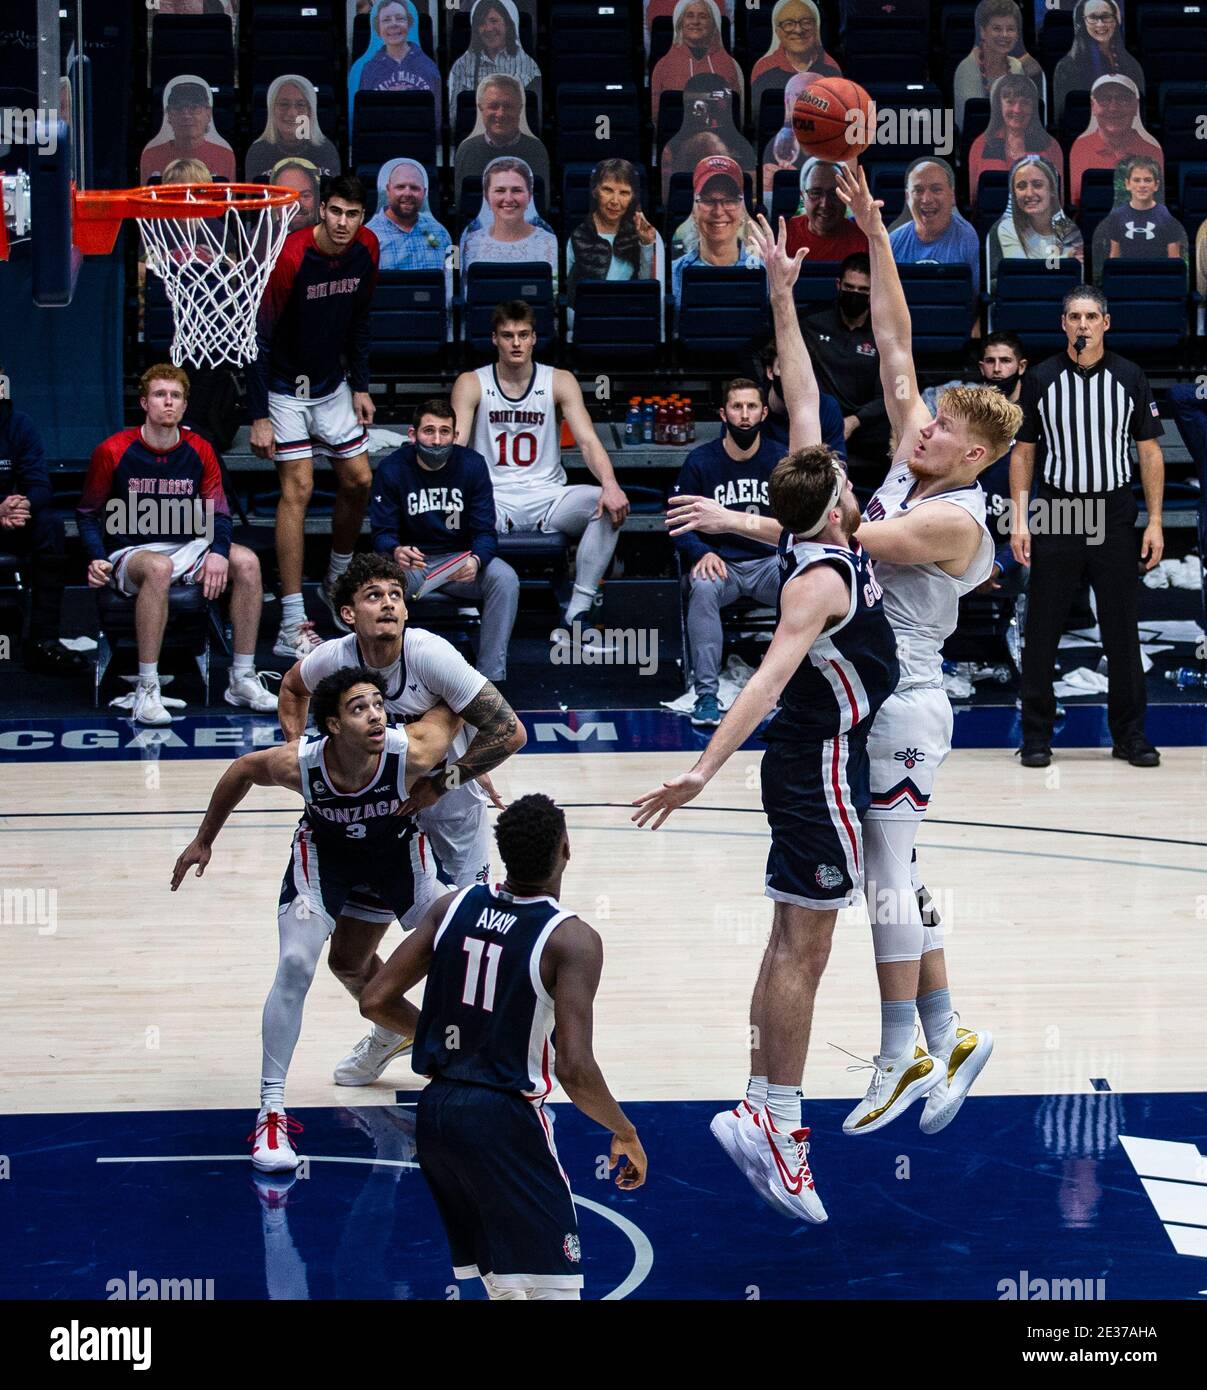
823	122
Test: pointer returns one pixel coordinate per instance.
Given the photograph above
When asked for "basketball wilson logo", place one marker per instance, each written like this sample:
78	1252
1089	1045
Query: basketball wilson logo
571	1248
827	876
910	756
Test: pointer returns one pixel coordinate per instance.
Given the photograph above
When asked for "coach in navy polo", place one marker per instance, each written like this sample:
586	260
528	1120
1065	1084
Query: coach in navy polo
734	469
433	501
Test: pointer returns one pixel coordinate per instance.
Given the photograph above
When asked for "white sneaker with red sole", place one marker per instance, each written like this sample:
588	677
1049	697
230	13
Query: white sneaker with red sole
272	1148
777	1166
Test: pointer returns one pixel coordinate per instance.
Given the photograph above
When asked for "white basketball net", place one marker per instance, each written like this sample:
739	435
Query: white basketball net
214	270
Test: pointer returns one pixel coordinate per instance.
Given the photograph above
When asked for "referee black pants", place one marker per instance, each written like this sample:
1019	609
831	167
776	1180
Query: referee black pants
1058	565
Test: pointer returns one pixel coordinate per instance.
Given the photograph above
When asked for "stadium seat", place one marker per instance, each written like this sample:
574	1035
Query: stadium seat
1192	192
1028	300
1148	305
14	590
589	43
886	48
1180	105
1054	40
976	122
193	622
941	303
662	35
199	44
1171	41
769	119
912	104
389	124
993	192
1073	119
785	195
410	317
487	284
1097	200
293	39
815	285
886	179
579	135
617	322
722	313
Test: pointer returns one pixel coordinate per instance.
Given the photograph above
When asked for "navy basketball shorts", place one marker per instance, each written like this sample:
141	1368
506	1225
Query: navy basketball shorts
815	793
320	881
504	1201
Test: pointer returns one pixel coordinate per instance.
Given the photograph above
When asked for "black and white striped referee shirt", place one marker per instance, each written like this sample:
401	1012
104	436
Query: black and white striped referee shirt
1083	421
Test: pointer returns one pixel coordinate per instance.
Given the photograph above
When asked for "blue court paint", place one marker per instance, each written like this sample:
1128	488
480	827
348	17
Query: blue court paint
105	738
1018	1188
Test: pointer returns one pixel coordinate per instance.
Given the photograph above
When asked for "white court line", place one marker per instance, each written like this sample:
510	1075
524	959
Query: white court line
643	1251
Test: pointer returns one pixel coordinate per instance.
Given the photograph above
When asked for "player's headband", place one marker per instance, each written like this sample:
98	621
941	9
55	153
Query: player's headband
840	478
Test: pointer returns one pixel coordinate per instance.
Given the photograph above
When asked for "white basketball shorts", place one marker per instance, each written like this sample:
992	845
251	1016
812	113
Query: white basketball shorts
909	739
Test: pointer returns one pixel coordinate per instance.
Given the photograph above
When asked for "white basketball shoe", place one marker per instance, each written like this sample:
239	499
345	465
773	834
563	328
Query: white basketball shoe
148	706
370	1057
297	642
272	1148
724	1127
896	1083
777	1166
961	1067
250	691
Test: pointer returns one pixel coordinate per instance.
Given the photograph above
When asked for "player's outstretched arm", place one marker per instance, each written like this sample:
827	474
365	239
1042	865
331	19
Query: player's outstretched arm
382	999
575	952
569	398
689	512
270	767
293	703
500	734
891	324
940	534
428	740
807	604
467	395
797	379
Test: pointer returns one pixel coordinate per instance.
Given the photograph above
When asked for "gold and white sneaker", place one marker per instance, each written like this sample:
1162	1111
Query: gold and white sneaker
896	1083
370	1057
962	1065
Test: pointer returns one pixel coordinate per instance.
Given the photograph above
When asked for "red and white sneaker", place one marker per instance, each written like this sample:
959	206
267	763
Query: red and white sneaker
272	1149
724	1126
777	1166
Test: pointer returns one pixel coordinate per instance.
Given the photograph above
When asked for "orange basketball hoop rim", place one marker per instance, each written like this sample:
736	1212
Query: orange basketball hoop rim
97	215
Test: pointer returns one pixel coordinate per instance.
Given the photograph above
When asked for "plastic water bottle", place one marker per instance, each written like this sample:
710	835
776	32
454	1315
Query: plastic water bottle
632	424
660	422
647	420
689	420
1187	678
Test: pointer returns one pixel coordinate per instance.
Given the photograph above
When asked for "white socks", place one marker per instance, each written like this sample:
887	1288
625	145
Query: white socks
783	1105
244	664
756	1092
293	610
338	563
148	673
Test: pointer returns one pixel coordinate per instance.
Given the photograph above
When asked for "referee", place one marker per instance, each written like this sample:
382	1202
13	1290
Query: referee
1081	409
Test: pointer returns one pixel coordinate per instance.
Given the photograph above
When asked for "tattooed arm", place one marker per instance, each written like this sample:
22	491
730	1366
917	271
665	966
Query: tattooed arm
500	734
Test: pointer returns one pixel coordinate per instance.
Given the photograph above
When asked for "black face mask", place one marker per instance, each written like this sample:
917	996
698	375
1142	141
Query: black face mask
852	304
434	455
1005	384
743	438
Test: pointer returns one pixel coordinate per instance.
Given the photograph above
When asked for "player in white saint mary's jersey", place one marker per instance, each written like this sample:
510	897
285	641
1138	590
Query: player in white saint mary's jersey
508	412
925	531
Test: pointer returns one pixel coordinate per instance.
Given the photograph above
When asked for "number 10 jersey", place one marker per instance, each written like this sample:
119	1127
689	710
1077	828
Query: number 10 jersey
520	438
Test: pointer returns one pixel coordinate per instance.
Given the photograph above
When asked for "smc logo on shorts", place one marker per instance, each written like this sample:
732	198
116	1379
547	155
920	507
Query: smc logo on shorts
910	756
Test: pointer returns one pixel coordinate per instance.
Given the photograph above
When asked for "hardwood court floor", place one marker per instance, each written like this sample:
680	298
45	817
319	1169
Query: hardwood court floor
1077	904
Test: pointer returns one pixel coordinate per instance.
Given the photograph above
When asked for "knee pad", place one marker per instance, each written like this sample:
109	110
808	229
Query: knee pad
898	933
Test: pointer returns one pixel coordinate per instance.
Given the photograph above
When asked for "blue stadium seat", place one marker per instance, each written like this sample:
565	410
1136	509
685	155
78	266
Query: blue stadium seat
1028	301
886	48
769	119
1054	40
1192	191
993	192
785	195
1171	41
580	107
1148	305
487	284
389	124
198	44
815	286
1074	118
410	318
976	122
1181	107
589	43
722	314
941	304
292	38
662	35
1097	200
886	179
617	323
911	102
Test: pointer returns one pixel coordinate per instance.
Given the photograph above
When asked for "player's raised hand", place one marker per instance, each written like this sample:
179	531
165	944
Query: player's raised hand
194	853
685	512
677	792
633	1171
856	194
772	247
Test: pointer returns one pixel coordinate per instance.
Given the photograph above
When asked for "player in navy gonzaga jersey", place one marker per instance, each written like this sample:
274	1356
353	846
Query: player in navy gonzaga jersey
504	965
355	830
831	664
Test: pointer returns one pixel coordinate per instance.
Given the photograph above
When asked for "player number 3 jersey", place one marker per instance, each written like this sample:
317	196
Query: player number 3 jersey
519	439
